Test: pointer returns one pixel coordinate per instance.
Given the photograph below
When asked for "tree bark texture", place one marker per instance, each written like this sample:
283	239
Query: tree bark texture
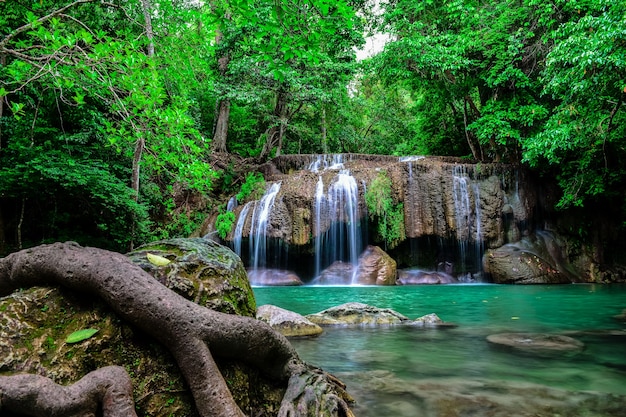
192	333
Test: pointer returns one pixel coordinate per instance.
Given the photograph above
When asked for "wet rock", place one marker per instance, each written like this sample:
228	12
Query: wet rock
338	273
376	267
287	322
418	277
536	259
432	321
273	277
357	314
537	343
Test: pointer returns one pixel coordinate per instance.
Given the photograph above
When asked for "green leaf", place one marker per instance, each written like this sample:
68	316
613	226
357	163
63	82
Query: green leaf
80	335
157	260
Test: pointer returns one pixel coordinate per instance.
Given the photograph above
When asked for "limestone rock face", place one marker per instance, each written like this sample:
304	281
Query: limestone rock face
35	323
376	267
433	190
287	322
358	314
534	260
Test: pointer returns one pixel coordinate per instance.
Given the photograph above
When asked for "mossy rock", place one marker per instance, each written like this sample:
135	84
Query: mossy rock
202	271
35	324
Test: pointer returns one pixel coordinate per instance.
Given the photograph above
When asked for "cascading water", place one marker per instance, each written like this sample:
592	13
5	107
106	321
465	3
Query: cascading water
258	228
479	247
241	221
324	162
337	222
467	217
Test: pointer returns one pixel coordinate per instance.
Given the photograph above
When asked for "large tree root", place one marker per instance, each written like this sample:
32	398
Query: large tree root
191	332
107	388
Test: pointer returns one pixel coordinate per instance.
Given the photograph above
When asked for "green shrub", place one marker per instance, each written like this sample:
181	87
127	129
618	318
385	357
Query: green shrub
254	187
224	223
387	215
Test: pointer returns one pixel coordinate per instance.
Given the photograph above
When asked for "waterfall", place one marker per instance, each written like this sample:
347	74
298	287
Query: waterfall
467	218
258	228
241	221
319	202
232	204
479	236
324	162
339	237
462	211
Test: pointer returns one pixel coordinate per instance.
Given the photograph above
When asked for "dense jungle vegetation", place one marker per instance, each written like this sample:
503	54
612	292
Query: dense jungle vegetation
122	120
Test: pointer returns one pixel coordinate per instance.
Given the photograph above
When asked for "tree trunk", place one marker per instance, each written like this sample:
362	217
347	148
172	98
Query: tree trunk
324	138
276	131
191	332
221	126
3	62
139	147
220	133
469	135
3	235
147	11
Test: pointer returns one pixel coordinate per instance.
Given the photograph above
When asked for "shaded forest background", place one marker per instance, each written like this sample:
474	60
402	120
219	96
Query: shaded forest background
126	121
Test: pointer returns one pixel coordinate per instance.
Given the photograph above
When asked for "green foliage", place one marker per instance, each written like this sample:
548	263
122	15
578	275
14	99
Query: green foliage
224	223
252	188
80	335
388	215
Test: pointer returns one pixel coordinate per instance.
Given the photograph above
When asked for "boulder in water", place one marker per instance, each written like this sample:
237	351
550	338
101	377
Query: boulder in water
537	343
338	273
357	314
536	259
273	277
287	322
376	267
431	321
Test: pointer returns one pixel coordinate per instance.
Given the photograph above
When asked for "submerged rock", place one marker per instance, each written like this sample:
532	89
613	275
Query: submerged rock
287	322
456	397
537	343
621	316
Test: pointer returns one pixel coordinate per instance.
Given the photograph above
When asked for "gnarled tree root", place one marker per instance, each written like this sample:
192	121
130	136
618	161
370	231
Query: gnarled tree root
191	332
108	389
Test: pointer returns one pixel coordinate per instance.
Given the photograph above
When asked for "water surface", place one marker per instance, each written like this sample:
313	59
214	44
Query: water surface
406	371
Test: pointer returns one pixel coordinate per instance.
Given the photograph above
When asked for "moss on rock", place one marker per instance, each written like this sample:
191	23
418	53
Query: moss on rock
35	323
